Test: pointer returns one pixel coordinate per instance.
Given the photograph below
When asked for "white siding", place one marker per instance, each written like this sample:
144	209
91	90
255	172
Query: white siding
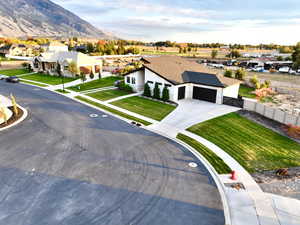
152	77
232	91
139	80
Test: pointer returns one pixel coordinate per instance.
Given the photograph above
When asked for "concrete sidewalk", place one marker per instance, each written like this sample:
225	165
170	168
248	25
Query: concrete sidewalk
123	97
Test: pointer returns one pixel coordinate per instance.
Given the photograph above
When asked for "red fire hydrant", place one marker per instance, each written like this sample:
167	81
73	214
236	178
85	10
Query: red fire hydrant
233	175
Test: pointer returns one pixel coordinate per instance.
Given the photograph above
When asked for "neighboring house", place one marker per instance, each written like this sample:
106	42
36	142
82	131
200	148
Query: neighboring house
184	79
48	63
18	50
54	46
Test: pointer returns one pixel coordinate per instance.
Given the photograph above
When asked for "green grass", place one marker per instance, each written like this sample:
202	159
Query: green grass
62	91
252	145
146	107
146	123
37	84
14	72
245	91
104	82
47	79
209	155
109	94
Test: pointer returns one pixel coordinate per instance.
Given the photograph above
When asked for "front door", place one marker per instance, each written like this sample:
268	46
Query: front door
181	93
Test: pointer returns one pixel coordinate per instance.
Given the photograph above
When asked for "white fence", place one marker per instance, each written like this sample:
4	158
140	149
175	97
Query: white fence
271	113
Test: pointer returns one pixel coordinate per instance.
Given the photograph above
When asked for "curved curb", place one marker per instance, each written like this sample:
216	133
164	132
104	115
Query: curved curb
210	169
25	114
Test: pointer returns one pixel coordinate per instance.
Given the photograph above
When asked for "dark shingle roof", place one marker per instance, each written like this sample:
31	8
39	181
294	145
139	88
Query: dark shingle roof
201	78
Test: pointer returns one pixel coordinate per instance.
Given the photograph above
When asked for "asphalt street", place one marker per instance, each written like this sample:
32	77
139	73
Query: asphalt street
60	166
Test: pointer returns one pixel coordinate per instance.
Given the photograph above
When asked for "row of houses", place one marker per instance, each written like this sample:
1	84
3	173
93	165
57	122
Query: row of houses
30	50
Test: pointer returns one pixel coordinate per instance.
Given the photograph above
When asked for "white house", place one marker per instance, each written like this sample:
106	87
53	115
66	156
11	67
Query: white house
55	46
184	79
47	62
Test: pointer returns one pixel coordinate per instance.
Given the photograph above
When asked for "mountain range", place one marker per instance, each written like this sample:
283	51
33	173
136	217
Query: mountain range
43	18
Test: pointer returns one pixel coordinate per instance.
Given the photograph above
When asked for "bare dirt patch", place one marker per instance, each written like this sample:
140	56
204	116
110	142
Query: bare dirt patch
287	103
287	185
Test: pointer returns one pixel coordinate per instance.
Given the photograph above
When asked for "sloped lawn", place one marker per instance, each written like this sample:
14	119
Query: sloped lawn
109	94
146	107
14	72
252	145
245	91
208	154
47	79
104	82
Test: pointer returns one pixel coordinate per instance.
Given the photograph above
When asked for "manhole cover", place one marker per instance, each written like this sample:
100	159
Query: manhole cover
193	165
94	115
104	116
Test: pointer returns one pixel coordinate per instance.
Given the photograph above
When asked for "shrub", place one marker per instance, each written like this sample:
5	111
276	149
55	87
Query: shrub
254	80
125	87
292	131
147	91
240	74
92	75
228	73
264	92
156	91
165	94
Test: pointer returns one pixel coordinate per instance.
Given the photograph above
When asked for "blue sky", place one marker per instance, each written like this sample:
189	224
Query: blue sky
226	21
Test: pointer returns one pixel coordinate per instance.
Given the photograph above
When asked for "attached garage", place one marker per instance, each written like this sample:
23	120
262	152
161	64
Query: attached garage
205	94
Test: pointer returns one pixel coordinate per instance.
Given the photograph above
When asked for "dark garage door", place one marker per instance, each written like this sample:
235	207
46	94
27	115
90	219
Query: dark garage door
205	94
181	93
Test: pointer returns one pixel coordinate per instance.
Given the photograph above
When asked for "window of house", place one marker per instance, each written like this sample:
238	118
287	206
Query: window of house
150	82
66	67
168	85
133	80
128	80
159	83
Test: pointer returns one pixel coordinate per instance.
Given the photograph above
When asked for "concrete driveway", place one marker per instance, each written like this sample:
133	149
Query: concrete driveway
60	166
191	111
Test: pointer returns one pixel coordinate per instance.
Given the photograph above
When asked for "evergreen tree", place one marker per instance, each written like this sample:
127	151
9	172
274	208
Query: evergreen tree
147	91
156	91
165	94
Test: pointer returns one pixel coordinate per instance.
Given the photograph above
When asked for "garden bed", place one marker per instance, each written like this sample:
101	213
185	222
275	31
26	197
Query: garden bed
14	117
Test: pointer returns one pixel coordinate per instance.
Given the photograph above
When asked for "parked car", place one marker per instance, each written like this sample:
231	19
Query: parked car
258	69
219	66
284	69
12	79
3	77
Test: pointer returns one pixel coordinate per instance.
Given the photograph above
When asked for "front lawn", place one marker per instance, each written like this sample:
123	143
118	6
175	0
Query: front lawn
47	79
114	111
104	82
109	94
245	91
252	145
146	107
14	72
208	154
